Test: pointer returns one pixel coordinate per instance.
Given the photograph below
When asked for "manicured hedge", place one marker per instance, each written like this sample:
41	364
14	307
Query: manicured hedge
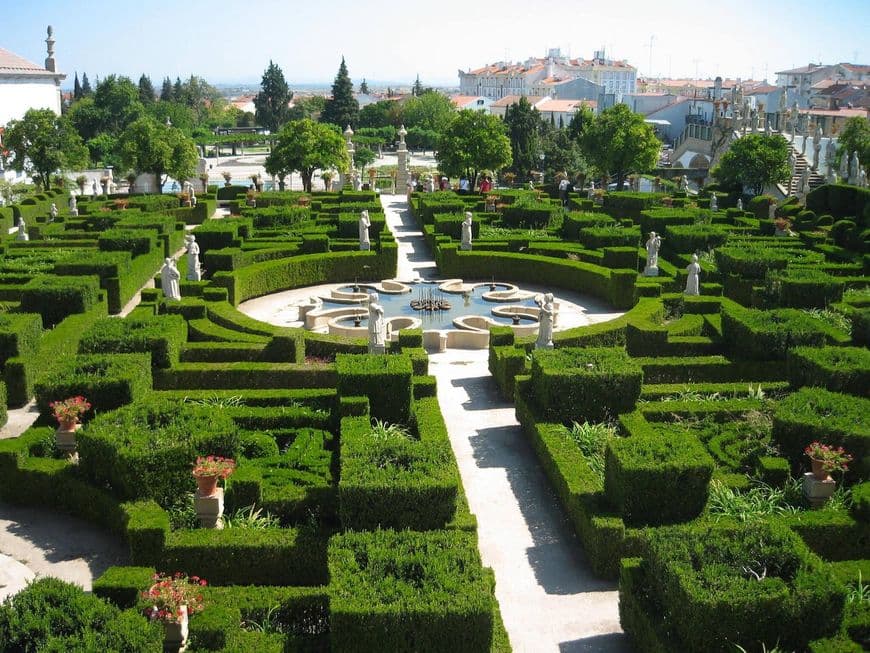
407	591
162	337
694	584
818	414
385	380
657	480
840	369
106	381
54	298
19	335
584	384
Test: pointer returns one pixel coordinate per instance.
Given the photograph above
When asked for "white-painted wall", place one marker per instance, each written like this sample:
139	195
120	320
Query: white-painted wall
20	93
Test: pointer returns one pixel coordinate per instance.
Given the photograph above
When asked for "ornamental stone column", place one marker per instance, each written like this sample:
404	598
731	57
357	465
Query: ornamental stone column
344	178
402	155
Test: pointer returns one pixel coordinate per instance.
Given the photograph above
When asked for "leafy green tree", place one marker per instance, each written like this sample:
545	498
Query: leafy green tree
305	146
362	157
86	86
618	142
308	107
341	109
273	101
166	90
422	139
42	143
754	162
473	141
383	113
431	111
855	137
523	123
147	145
363	87
582	118
178	90
77	88
179	115
562	154
117	100
146	90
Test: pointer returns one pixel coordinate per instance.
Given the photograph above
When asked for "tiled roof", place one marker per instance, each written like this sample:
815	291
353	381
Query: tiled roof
462	100
565	106
12	64
844	113
800	71
857	68
759	90
508	100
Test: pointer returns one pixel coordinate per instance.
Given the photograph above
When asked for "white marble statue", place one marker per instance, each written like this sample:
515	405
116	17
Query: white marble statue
192	193
194	270
739	203
830	153
22	231
52	212
590	192
430	185
804	186
854	166
546	319
169	278
364	224
862	178
94	190
844	167
531	185
693	281
377	326
684	184
73	205
714	202
465	245
652	255
771	210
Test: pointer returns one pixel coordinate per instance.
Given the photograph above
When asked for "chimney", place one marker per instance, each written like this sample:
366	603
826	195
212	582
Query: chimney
49	61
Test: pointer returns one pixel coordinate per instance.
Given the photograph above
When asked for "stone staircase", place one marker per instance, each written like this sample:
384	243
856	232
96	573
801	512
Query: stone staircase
802	162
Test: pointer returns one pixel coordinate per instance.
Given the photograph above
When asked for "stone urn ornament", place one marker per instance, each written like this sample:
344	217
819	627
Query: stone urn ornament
209	499
171	600
68	413
818	484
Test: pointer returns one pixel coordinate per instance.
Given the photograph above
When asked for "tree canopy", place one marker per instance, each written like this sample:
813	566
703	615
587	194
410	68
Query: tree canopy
523	123
753	162
305	146
472	142
42	143
148	145
855	137
431	111
341	109
618	142
272	103
146	90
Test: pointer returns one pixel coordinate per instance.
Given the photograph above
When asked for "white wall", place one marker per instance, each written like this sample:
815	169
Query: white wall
18	94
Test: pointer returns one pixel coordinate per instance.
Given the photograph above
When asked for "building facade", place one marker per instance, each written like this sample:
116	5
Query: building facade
25	85
801	81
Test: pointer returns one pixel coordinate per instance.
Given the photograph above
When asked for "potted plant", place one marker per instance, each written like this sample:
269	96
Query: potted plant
203	177
171	600
327	177
826	459
227	177
68	412
81	180
208	470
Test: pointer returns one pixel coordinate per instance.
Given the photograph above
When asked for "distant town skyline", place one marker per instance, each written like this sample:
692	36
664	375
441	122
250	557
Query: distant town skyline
231	43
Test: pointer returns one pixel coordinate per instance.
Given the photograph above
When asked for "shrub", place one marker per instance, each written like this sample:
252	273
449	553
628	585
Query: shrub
135	241
767	335
409	591
600	237
817	414
19	335
709	587
806	288
54	298
575	385
840	369
51	614
656	480
147	449
108	382
385	380
162	337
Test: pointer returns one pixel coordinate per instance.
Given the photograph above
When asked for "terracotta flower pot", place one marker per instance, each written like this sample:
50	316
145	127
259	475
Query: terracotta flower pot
68	424
207	485
819	471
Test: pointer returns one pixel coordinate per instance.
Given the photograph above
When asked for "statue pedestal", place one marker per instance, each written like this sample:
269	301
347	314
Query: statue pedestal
651	271
377	349
816	491
365	247
66	439
210	510
402	171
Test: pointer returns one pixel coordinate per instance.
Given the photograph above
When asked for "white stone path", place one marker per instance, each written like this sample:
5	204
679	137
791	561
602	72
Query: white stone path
549	599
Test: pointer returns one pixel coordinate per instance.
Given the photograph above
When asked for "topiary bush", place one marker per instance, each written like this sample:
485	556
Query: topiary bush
840	369
54	298
385	380
574	384
654	480
162	337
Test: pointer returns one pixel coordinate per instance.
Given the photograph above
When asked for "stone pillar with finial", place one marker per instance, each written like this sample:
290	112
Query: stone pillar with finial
345	178
50	63
402	156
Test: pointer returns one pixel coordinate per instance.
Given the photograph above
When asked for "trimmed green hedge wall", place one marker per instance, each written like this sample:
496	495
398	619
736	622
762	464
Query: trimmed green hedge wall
54	298
840	369
161	337
385	380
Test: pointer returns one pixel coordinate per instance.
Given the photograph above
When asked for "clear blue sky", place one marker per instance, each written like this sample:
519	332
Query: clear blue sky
389	40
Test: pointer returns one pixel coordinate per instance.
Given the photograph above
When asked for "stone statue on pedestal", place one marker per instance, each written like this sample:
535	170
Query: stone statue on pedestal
692	282
73	205
652	255
714	202
546	319
364	224
739	203
194	271
377	326
22	231
169	278
466	232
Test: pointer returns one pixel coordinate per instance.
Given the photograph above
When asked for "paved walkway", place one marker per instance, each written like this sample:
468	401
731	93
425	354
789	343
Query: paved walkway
549	599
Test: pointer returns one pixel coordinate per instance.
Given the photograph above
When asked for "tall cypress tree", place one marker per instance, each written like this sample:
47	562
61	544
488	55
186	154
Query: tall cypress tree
166	90
342	109
77	88
146	90
417	88
178	90
273	100
86	86
363	87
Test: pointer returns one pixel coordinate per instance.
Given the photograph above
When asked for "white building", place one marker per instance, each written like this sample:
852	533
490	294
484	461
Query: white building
25	85
535	75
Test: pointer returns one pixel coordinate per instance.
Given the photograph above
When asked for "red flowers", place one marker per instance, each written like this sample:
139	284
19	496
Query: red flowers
832	459
169	594
214	466
69	410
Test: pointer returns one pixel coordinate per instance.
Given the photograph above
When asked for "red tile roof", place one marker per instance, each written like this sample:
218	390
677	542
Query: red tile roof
12	64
